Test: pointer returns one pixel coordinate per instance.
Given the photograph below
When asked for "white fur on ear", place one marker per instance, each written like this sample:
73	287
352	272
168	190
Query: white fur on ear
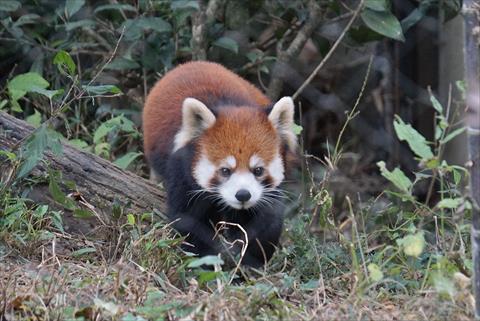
196	117
281	117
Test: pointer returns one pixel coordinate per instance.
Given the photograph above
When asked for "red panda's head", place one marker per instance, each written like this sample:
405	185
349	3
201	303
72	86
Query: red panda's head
239	151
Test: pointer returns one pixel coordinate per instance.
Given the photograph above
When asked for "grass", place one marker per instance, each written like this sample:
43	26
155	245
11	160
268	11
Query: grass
138	272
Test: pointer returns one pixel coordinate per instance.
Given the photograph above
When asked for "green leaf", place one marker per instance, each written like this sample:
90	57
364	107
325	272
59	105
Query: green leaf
85	250
57	194
82	213
297	129
41	140
377	5
120	122
383	22
451	203
134	28
79	24
416	15
432	163
460	84
126	159
443	285
11	156
27	19
3	103
363	34
38	143
374	272
102	149
412	244
78	143
457	176
72	7
9	5
184	4
436	104
416	142
131	219
48	93
55	190
21	84
35	119
310	285
206	260
397	177
254	56
115	6
63	59
206	276
41	210
122	63
452	135
226	43
102	89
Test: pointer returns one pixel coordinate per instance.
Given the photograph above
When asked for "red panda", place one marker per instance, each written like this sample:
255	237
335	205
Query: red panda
221	148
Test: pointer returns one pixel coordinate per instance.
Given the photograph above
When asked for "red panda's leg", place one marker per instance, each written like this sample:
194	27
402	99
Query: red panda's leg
198	234
263	236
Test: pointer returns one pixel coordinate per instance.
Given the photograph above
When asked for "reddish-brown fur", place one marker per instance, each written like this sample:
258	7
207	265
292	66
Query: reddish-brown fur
201	80
240	132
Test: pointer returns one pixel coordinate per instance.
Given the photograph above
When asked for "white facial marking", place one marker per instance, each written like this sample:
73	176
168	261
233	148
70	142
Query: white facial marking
256	161
276	170
238	181
204	171
229	162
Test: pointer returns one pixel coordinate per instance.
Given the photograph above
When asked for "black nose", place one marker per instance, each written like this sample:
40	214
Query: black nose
243	195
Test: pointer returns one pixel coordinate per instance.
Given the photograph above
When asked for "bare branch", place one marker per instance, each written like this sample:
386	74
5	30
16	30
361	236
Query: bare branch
284	57
330	52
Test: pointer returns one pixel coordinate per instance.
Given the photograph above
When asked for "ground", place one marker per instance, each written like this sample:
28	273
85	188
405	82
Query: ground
129	276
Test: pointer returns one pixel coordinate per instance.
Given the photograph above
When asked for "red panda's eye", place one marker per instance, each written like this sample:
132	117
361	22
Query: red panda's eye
258	171
225	172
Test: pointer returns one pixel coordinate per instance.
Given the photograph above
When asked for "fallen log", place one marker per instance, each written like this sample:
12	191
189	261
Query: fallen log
100	185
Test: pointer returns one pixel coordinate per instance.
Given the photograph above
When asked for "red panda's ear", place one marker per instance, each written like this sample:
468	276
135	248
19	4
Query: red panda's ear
196	117
281	117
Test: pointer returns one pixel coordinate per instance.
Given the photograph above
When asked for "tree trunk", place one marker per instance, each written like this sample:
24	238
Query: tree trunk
471	10
100	185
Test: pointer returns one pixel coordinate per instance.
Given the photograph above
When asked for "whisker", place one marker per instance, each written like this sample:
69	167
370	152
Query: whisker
195	194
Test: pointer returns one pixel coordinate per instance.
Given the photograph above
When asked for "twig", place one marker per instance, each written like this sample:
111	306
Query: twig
330	52
222	225
285	56
352	113
441	146
80	94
